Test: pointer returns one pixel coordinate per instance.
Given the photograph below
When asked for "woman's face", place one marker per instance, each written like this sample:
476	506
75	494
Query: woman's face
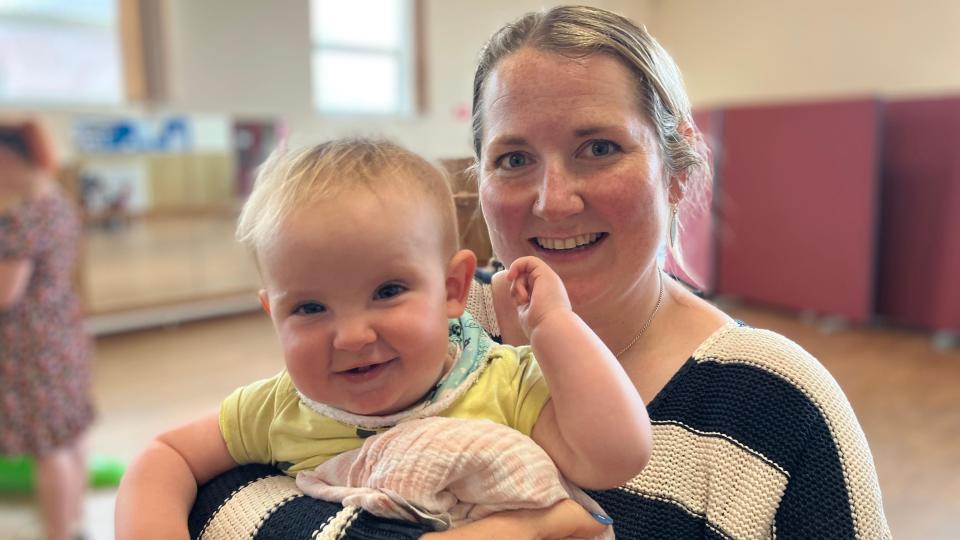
571	171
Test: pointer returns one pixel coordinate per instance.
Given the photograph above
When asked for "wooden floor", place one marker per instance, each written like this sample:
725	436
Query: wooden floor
904	391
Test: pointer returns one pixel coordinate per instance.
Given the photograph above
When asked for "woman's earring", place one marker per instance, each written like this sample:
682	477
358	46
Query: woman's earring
674	225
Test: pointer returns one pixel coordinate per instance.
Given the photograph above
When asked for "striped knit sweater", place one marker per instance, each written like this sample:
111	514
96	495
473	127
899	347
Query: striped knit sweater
752	439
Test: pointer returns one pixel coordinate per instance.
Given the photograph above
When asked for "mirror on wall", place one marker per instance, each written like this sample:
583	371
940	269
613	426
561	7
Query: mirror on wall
160	198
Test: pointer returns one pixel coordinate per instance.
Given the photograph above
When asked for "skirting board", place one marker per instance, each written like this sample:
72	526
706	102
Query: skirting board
167	315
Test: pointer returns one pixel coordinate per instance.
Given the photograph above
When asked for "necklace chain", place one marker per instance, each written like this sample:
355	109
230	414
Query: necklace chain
649	320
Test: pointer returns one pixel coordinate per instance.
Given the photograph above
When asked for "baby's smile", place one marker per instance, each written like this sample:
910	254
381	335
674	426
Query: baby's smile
366	372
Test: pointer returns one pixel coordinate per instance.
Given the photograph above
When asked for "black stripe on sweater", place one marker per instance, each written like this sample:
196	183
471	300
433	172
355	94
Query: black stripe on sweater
369	527
774	418
642	517
301	516
217	492
753	406
297	518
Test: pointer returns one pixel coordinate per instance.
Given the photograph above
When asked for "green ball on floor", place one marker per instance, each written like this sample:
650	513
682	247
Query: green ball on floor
17	474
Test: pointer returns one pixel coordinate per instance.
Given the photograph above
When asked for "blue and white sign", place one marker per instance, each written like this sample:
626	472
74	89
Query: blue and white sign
132	135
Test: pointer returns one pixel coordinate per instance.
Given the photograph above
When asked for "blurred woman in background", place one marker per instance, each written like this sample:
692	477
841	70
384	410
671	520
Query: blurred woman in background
45	380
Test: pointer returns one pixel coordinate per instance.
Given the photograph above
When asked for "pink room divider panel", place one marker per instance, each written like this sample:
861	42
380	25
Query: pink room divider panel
919	277
798	194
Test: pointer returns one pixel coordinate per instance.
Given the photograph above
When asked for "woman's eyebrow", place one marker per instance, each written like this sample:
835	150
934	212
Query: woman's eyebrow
586	132
516	140
509	140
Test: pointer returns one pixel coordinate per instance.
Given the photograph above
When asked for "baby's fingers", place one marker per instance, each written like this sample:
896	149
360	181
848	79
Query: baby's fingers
519	267
521	278
519	291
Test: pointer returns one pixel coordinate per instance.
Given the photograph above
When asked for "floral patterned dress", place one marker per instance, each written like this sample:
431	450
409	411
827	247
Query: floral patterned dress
45	399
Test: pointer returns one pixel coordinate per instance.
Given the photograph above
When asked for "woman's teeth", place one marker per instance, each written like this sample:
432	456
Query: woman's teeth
558	244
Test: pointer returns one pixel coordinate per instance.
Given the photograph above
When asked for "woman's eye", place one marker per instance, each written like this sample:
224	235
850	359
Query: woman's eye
513	160
309	308
389	291
602	148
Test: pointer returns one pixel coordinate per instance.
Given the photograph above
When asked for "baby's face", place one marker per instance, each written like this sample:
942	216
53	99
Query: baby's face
357	292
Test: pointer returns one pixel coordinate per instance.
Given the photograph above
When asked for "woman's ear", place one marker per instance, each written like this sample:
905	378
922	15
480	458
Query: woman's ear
264	300
459	277
677	188
677	184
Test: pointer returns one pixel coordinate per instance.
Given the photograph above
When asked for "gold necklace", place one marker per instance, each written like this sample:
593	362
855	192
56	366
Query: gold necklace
649	320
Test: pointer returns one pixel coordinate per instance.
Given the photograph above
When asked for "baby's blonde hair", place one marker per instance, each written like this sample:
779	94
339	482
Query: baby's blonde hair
294	179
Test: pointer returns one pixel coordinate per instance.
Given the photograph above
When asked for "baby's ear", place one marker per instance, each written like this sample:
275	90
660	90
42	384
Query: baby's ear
264	300
459	276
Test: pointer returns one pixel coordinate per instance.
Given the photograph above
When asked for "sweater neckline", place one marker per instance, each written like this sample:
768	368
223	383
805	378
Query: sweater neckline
691	361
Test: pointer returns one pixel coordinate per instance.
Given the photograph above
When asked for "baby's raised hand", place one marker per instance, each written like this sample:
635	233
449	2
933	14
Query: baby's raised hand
536	290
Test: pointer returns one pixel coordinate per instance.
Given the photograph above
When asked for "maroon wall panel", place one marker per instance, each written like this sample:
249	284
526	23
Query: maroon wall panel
798	196
919	277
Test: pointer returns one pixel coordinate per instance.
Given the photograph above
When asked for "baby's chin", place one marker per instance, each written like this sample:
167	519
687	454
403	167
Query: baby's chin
375	408
383	409
383	401
377	411
358	407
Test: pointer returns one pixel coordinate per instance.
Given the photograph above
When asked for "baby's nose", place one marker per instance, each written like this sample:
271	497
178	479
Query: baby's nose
353	334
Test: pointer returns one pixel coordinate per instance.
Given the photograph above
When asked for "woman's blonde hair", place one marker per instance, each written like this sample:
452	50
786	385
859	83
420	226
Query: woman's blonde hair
292	180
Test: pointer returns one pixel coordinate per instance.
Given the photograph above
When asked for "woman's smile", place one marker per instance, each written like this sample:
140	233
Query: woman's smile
570	243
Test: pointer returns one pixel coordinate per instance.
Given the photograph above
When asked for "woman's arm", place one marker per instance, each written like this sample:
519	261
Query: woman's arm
14	277
159	488
595	426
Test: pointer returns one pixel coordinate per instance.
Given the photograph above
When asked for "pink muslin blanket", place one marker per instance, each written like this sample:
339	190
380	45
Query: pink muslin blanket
445	472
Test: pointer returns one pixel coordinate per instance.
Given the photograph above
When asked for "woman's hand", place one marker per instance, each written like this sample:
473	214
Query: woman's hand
566	519
536	290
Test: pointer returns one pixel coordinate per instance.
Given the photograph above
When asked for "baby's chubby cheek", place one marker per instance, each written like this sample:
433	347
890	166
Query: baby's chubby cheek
304	357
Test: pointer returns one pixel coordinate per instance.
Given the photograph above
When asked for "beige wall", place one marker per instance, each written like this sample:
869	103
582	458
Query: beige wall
250	57
738	51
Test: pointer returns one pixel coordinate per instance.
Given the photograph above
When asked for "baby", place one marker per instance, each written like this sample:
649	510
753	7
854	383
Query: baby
357	247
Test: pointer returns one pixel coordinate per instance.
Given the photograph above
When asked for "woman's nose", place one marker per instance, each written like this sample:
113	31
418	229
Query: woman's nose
353	333
558	195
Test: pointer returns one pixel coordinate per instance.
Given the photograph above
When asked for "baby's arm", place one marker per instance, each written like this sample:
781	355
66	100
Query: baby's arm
159	487
595	426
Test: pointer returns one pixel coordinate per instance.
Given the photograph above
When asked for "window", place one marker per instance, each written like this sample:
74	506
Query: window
363	56
59	51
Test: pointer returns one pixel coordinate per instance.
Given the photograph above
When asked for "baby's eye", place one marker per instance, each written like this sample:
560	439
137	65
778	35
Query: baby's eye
513	160
389	290
309	308
601	148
